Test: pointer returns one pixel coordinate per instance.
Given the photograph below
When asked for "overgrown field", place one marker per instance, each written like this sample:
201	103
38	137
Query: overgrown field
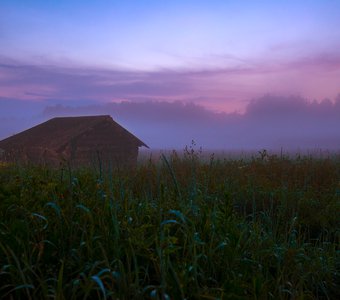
181	228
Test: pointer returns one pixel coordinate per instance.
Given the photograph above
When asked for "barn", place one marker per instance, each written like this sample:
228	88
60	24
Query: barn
80	141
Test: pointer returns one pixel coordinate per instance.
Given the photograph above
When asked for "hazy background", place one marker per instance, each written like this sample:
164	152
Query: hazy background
269	122
228	74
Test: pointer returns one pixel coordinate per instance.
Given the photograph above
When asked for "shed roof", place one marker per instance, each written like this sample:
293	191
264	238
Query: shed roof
59	131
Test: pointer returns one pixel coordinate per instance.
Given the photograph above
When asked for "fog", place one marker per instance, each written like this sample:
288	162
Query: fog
269	122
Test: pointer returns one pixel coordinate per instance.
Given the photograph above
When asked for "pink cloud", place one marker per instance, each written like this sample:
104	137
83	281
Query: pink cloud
223	89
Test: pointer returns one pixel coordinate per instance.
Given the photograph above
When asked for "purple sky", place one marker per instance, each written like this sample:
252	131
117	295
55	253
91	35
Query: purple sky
216	55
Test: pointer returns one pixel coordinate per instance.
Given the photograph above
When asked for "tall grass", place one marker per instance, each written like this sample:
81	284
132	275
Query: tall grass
264	228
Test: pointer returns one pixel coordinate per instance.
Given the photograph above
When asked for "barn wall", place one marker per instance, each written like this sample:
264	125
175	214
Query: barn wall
32	155
110	156
113	157
101	146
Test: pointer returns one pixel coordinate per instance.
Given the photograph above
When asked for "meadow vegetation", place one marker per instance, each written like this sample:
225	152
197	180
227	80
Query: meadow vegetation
180	228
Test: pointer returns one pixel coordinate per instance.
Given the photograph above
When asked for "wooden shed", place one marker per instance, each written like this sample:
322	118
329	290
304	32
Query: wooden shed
81	141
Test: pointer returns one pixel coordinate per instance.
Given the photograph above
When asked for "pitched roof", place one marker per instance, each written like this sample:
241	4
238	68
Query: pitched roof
57	132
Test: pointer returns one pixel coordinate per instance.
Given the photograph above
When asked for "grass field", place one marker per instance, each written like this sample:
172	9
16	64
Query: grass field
181	228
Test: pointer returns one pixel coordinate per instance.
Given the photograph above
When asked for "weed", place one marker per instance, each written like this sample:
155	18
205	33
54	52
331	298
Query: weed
264	228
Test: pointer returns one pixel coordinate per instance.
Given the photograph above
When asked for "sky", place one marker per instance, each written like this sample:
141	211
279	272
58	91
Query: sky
220	56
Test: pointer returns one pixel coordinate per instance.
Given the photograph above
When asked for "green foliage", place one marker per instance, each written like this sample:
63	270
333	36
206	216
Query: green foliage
183	228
